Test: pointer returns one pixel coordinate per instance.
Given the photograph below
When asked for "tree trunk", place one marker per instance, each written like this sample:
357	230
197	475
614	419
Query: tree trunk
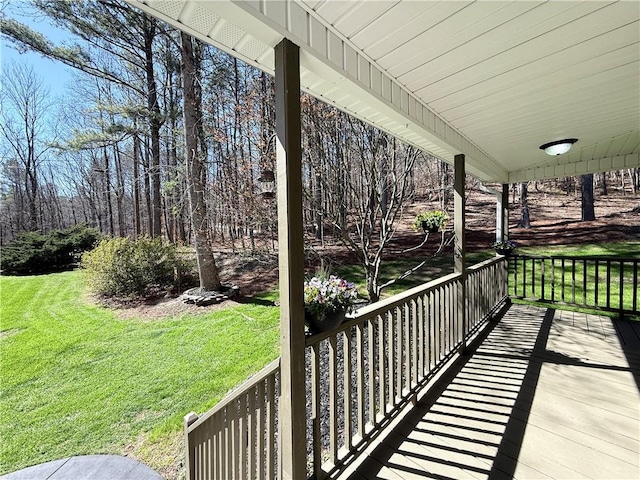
154	128
107	189
372	272
147	188
444	190
136	184
196	173
122	229
384	177
317	197
588	211
603	184
32	195
174	211
525	220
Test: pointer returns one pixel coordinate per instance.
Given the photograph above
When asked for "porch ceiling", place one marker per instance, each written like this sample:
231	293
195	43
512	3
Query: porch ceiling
492	80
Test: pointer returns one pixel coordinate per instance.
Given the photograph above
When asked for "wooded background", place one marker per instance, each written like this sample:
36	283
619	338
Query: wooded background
118	152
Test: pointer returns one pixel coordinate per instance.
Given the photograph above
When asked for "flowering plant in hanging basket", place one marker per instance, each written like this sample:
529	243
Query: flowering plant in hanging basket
327	300
431	220
504	248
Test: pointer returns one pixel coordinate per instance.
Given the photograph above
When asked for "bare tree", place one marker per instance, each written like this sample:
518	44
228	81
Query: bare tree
603	184
115	42
26	130
365	179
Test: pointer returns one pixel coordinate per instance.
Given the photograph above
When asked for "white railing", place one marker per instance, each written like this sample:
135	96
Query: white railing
237	438
364	372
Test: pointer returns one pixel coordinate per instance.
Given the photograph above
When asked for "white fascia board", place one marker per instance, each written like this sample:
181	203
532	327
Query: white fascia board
227	11
616	153
596	165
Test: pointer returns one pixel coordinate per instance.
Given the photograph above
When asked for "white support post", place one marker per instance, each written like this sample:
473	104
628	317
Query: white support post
499	219
292	417
505	210
460	248
502	214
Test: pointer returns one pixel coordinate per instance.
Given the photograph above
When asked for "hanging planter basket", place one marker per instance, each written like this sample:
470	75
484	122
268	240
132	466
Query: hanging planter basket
327	300
429	227
323	322
431	221
505	248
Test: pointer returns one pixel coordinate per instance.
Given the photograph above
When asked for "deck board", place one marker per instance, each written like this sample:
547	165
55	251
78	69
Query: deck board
548	394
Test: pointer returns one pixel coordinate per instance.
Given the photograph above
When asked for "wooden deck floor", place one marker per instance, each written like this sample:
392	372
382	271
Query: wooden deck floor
548	394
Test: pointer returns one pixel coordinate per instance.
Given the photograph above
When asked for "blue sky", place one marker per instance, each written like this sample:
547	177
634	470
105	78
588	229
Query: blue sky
55	75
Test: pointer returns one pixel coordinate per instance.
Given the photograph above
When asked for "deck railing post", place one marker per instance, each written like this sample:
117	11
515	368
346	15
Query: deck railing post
189	451
292	417
503	224
460	244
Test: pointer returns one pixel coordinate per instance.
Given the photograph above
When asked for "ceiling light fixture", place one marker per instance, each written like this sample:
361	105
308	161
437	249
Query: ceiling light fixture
559	146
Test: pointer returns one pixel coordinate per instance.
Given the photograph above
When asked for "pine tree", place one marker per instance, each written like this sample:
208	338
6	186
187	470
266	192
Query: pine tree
196	176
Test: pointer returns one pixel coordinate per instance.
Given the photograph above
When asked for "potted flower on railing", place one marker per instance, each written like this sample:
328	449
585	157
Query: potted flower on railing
505	248
327	299
431	221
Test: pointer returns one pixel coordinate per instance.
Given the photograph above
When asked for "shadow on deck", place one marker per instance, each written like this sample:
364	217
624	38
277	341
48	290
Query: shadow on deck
546	394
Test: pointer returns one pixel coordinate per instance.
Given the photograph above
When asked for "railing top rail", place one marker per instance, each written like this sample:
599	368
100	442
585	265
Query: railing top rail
486	264
369	311
384	305
580	257
233	395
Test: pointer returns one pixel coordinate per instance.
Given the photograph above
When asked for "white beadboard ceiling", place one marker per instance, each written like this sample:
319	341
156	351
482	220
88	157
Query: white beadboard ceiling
491	79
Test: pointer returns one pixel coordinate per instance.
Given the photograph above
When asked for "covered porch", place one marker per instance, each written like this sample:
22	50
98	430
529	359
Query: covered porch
481	85
545	394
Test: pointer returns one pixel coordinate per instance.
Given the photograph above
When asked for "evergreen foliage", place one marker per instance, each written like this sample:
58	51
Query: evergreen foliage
33	252
124	267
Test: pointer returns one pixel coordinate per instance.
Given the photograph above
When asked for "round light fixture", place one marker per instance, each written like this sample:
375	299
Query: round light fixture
559	146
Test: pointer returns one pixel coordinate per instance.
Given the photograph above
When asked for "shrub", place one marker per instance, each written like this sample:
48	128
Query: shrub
125	267
33	252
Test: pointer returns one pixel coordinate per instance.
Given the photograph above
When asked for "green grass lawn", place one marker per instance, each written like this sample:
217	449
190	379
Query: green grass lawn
630	249
75	379
434	268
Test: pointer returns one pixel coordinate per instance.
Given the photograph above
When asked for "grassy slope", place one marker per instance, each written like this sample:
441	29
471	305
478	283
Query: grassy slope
630	249
77	380
435	267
